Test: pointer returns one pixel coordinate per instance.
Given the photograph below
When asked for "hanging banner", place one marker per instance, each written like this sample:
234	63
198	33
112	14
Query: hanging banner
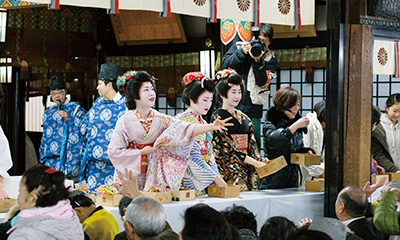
228	30
244	30
147	5
240	10
200	8
307	12
384	57
279	12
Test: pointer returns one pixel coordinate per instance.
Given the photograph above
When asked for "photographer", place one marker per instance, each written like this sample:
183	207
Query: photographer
256	64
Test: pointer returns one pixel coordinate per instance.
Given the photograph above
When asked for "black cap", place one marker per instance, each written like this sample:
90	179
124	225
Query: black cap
57	83
109	72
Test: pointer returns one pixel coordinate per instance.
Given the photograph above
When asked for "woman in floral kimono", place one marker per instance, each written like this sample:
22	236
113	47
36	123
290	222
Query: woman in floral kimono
198	95
154	146
235	149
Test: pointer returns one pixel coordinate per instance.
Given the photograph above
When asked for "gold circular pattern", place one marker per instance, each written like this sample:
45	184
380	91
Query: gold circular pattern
382	56
243	5
284	6
199	2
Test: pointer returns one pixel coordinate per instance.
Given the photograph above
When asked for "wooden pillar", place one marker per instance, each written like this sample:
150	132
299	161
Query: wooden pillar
357	142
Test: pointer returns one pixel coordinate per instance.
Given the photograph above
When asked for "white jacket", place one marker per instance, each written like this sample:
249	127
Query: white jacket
313	139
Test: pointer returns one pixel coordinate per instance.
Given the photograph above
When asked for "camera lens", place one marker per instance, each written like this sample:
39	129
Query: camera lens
256	50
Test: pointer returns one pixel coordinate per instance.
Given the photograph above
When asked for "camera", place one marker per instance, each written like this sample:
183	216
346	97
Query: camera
257	44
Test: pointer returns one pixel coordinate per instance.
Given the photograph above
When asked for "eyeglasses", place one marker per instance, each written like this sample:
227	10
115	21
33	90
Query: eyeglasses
55	93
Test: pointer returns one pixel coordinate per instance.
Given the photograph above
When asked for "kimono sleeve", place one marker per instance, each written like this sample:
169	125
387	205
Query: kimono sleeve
122	157
176	134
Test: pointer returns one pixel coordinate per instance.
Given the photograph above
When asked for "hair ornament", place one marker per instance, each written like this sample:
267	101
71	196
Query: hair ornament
225	73
189	77
123	80
50	170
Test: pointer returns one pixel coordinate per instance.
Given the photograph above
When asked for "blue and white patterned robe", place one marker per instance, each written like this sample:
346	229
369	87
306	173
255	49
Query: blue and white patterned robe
98	128
202	168
61	145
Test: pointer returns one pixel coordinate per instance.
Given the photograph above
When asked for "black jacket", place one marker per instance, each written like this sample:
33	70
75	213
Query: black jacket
278	141
241	63
365	229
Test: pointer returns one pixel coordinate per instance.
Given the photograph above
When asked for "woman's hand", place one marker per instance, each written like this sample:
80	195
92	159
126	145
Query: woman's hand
265	160
148	149
219	181
301	123
222	124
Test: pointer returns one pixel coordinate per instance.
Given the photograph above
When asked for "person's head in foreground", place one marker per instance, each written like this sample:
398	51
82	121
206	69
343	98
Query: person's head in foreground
277	228
204	222
241	218
82	204
45	210
306	234
145	217
351	202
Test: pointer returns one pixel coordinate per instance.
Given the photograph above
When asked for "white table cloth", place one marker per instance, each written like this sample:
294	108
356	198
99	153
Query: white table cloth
293	204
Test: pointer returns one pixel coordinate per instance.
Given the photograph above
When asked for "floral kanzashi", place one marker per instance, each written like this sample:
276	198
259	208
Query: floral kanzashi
123	80
189	77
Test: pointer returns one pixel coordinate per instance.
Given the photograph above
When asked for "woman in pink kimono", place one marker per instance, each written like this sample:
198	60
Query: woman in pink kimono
154	146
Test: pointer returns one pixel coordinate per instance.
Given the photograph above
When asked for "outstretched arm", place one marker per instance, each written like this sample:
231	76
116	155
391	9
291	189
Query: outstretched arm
217	125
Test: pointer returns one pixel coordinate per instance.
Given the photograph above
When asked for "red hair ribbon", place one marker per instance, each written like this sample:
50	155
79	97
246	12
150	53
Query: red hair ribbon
50	170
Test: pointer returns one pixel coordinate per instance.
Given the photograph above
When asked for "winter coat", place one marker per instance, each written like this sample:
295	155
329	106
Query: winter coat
236	59
380	149
58	222
278	141
386	219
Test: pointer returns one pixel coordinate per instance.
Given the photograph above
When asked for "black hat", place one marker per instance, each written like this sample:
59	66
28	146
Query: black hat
109	72
57	83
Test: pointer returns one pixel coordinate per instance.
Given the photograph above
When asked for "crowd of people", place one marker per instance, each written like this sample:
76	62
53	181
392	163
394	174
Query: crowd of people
122	138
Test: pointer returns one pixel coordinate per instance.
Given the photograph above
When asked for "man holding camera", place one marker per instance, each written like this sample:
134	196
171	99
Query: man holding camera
256	64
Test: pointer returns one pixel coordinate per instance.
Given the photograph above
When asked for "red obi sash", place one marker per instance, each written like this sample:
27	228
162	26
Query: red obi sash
241	142
143	158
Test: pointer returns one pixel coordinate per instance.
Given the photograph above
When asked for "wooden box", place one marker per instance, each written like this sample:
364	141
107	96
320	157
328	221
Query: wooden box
6	204
390	176
184	194
105	199
305	159
224	192
317	185
394	176
163	197
272	167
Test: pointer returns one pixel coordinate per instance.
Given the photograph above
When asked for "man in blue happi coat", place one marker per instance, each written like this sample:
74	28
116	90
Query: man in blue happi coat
61	145
98	127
